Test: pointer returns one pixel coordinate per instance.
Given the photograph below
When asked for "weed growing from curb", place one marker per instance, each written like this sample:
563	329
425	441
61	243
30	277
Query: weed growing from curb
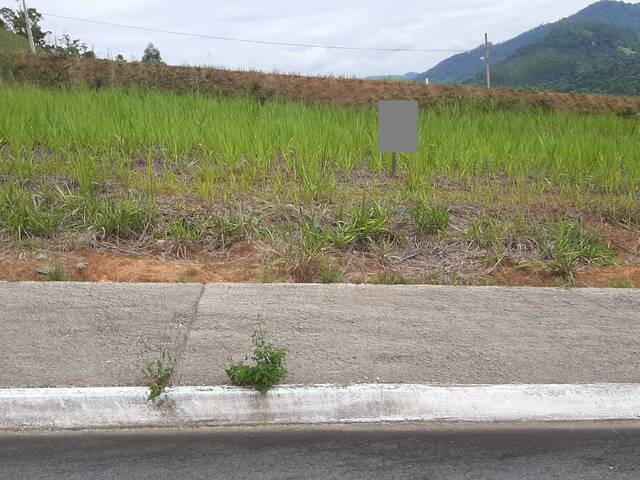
268	366
159	375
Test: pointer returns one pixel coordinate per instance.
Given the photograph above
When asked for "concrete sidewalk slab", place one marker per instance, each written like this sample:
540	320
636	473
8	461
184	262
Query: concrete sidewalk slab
80	334
422	334
89	335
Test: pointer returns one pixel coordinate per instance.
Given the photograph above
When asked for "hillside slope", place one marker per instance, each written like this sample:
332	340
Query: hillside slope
576	57
52	71
12	43
465	66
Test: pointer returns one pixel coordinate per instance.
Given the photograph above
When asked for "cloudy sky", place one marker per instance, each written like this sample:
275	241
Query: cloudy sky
416	24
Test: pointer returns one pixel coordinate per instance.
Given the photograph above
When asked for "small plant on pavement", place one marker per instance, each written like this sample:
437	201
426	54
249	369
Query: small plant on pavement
266	368
159	375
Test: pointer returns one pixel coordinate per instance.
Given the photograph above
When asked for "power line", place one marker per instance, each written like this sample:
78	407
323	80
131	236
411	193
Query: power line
246	40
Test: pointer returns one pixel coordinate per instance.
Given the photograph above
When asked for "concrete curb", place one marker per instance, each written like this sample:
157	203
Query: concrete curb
69	408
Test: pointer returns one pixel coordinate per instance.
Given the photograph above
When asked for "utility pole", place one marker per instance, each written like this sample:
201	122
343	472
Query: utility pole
487	58
29	33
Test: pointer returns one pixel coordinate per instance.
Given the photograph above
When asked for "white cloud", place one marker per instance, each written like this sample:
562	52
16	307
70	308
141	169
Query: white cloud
436	24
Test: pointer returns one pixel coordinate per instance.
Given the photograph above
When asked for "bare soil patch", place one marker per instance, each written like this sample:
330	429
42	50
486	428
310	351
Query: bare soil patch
242	263
255	262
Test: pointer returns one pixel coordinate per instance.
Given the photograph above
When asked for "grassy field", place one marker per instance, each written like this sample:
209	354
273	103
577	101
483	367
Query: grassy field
530	190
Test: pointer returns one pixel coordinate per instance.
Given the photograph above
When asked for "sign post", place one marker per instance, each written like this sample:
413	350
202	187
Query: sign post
397	128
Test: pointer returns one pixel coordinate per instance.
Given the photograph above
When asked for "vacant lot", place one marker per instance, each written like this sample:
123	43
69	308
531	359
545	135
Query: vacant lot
149	186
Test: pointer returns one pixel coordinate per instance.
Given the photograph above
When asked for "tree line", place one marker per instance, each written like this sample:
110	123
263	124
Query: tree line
65	46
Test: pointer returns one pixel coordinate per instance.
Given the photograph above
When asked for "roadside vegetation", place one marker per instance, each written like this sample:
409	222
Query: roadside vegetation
263	369
505	196
159	374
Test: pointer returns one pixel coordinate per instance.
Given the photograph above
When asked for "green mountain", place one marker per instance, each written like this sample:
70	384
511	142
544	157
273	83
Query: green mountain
575	57
463	67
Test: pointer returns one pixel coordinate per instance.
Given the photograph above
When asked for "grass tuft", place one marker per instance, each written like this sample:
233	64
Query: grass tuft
429	219
391	277
364	223
567	246
330	273
56	274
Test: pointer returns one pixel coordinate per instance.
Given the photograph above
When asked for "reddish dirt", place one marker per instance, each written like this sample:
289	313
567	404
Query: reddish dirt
627	276
248	263
242	263
622	276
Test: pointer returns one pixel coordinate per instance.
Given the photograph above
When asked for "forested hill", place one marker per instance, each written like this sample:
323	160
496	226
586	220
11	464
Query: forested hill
465	66
576	57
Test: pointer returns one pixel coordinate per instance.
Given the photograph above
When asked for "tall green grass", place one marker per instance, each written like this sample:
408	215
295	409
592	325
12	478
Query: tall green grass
202	142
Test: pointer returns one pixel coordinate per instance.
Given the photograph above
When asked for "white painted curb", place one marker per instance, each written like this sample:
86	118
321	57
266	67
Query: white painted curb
64	408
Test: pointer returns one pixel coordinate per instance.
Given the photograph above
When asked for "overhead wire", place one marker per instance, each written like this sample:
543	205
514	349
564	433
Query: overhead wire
254	41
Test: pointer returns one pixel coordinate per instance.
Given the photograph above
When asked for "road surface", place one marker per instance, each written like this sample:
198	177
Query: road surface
596	451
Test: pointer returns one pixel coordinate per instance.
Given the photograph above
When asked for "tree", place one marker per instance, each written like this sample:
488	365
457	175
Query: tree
71	48
151	55
120	58
13	20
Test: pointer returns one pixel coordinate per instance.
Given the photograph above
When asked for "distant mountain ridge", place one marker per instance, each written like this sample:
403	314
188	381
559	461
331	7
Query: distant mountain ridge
583	57
464	67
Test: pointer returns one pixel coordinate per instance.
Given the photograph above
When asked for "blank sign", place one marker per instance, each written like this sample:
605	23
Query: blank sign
398	126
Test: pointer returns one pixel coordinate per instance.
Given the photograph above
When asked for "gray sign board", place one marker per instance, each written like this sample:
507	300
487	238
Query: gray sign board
398	126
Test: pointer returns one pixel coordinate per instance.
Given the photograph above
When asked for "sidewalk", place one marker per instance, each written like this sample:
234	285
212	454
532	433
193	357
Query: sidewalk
94	335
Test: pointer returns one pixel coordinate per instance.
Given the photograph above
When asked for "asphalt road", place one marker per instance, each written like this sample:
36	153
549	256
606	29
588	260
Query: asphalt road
596	451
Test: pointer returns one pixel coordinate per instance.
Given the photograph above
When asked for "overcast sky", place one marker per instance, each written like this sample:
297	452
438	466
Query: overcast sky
420	24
